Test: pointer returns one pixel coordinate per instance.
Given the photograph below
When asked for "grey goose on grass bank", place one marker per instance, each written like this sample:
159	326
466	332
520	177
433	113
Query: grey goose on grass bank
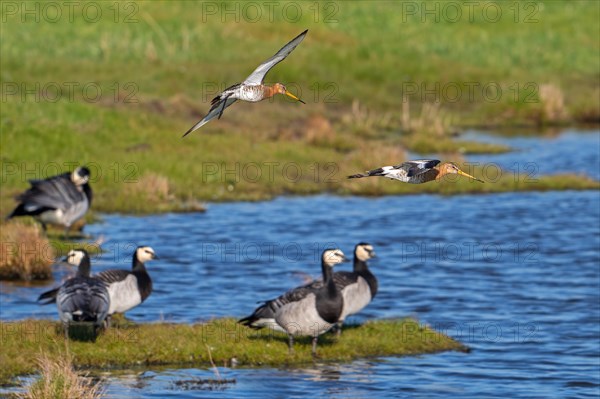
127	288
358	289
58	200
305	310
82	298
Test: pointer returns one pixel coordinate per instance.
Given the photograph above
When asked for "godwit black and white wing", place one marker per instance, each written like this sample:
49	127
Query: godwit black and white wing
216	110
415	168
404	172
258	76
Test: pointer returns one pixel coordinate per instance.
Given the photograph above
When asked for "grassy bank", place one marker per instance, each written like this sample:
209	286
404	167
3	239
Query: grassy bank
153	344
118	95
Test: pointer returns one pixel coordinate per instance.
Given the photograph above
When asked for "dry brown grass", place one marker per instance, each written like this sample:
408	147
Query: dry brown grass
365	120
432	120
58	379
151	187
25	252
553	104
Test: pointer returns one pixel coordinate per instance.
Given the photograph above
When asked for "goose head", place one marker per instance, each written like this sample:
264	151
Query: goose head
332	257
76	256
364	251
144	253
80	176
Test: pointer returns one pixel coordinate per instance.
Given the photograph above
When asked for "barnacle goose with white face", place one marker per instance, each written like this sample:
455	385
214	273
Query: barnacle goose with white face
59	200
358	288
305	310
82	298
127	288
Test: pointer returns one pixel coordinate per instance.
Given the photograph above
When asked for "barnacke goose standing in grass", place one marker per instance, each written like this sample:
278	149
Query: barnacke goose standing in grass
59	200
358	288
82	298
127	288
305	310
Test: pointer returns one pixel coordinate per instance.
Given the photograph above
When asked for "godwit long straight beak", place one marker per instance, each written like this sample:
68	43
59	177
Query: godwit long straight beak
460	172
287	93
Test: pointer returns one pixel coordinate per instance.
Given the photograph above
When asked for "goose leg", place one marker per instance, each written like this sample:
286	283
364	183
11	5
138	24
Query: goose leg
314	346
338	329
44	228
291	344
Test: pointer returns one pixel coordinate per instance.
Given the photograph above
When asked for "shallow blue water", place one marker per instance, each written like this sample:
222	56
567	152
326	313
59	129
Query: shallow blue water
566	152
515	276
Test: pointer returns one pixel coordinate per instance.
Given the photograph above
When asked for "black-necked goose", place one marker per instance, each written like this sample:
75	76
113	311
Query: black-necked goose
305	310
127	288
82	298
59	200
358	288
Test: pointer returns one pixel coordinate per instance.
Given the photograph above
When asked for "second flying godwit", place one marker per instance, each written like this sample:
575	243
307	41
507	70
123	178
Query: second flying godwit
416	172
252	89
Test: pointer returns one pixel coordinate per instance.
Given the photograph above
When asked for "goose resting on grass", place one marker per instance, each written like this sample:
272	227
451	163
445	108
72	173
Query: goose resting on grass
127	288
305	310
59	200
82	298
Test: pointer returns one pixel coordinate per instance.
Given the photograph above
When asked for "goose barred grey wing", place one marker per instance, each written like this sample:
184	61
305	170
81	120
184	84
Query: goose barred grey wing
83	299
258	76
113	275
57	192
264	315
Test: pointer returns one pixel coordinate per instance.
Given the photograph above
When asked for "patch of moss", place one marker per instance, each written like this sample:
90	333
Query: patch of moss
188	345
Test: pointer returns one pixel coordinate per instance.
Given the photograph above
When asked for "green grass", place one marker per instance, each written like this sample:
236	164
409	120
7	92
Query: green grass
352	73
188	345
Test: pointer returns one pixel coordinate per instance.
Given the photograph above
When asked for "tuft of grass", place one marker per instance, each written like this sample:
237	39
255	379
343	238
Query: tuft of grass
58	379
552	100
25	252
219	341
